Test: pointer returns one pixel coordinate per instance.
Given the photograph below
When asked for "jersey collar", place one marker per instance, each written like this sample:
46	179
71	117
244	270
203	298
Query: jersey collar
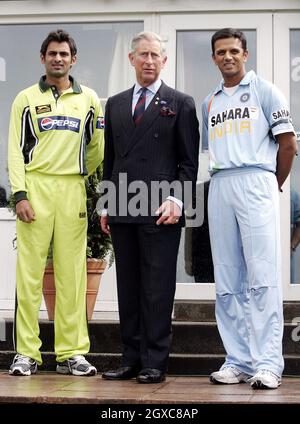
44	86
249	76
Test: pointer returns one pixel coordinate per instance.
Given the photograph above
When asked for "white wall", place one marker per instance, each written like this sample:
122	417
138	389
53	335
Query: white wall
66	7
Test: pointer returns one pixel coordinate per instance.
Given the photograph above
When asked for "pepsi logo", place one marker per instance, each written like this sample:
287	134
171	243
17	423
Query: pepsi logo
47	124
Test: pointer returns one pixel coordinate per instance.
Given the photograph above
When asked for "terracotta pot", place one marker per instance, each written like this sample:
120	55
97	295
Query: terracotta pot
95	268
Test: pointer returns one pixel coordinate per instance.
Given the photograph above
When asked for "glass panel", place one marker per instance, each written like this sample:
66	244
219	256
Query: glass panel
102	64
295	175
197	75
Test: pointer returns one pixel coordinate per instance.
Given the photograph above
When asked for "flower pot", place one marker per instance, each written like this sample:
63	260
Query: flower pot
95	268
49	290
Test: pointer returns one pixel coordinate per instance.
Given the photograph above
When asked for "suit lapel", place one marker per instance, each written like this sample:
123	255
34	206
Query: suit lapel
150	114
125	109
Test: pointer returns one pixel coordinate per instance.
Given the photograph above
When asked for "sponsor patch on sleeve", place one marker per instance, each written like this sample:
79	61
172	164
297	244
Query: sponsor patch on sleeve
280	114
100	122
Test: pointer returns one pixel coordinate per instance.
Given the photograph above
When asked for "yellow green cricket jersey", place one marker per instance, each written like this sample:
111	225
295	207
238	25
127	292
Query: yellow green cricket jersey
54	134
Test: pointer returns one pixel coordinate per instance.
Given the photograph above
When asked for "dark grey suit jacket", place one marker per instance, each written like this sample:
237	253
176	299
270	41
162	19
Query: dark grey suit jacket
163	147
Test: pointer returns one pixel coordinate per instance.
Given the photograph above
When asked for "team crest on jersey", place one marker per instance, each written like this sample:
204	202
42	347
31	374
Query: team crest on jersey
244	97
59	123
100	122
42	109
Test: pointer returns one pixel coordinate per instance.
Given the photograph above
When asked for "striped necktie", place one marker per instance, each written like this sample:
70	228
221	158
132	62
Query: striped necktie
140	107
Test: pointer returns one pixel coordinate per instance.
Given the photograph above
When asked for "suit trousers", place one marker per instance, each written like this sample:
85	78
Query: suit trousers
146	257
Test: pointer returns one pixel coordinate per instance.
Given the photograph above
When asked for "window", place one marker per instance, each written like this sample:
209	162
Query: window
197	75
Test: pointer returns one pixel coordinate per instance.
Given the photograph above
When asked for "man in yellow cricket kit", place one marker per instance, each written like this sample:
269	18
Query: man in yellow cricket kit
55	139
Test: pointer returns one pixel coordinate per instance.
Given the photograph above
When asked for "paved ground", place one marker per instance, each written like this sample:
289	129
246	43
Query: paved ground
51	388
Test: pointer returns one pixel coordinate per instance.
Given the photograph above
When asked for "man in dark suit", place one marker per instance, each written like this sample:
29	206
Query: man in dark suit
151	136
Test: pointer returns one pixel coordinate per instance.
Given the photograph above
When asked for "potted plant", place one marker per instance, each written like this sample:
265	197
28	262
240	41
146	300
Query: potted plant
99	249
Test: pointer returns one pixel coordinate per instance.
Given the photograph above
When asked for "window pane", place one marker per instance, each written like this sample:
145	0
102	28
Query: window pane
102	63
295	175
196	74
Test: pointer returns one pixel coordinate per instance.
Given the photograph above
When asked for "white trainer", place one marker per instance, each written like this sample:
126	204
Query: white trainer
76	365
265	379
229	375
22	365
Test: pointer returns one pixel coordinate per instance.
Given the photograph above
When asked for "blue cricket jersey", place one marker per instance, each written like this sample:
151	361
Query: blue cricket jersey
240	129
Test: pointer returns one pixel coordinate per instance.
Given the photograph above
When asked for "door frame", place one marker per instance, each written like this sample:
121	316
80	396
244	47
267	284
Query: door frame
261	22
283	22
170	24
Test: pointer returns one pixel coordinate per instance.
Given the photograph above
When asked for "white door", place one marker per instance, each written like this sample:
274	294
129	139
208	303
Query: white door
190	69
287	78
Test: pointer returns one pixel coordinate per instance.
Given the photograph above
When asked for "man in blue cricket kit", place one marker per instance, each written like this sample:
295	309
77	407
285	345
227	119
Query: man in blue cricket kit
252	144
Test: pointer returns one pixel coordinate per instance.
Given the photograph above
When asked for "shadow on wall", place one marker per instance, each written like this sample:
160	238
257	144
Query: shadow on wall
3	200
198	258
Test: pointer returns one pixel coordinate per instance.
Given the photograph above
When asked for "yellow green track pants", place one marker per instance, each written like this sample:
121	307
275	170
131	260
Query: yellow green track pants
59	203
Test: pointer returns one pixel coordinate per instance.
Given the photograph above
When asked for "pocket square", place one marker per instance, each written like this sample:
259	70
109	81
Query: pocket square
166	111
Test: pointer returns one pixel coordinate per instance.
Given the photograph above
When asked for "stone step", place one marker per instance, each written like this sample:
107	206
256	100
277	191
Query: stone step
179	364
194	310
205	310
203	337
188	338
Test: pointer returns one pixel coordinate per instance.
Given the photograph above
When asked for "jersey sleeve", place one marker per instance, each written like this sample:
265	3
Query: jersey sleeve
16	165
95	148
276	109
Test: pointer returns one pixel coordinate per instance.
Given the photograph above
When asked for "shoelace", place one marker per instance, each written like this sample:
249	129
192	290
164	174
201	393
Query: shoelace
233	369
23	359
79	359
267	372
262	373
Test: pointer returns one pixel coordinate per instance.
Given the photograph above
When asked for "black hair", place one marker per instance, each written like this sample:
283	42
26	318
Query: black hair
228	33
60	36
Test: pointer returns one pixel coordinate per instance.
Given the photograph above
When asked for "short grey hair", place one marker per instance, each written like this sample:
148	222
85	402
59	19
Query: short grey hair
149	36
